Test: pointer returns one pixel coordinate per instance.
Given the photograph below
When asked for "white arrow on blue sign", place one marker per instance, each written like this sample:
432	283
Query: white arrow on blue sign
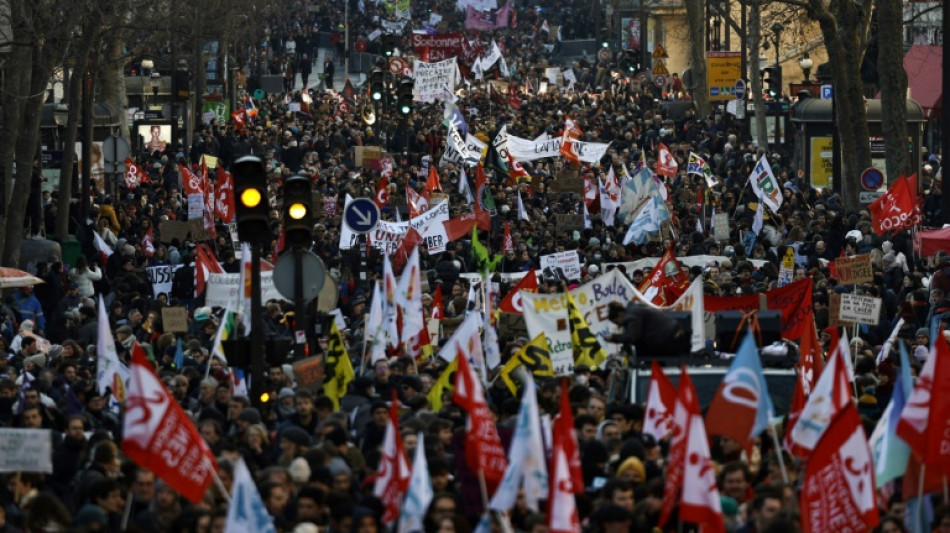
361	215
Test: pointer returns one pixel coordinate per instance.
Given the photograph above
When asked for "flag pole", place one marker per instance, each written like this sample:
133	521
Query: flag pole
484	490
773	429
920	499
220	485
128	511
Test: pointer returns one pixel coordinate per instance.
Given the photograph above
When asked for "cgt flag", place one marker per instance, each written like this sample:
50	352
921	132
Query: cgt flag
483	449
742	407
512	302
392	475
898	209
661	397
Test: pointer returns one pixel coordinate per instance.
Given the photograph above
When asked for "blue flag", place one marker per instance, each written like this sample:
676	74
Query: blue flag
247	513
179	355
889	452
742	407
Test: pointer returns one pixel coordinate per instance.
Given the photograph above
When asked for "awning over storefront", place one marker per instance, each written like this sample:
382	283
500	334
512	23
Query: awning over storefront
923	64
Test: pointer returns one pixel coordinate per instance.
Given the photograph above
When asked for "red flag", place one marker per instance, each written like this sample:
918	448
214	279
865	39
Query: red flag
159	437
516	172
433	184
425	55
676	470
134	175
190	181
462	226
799	397
827	399
508	244
899	208
409	242
838	491
925	421
562	506
148	242
662	287
564	428
810	354
382	193
666	164
483	449
224	197
700	498
661	398
512	303
513	100
570	133
591	194
205	263
392	475
239	118
438	304
417	203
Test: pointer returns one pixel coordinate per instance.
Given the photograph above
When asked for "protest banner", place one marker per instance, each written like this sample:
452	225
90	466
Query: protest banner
568	264
431	80
440	46
547	313
161	278
308	373
853	270
593	299
860	309
26	450
387	236
223	289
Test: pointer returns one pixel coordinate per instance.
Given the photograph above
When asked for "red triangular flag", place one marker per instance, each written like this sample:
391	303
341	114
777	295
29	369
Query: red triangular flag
438	305
661	398
512	303
700	498
382	193
159	437
562	505
392	475
433	184
676	460
925	421
483	449
564	428
134	175
224	197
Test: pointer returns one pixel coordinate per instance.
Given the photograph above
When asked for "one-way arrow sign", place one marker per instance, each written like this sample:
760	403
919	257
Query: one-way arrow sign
361	215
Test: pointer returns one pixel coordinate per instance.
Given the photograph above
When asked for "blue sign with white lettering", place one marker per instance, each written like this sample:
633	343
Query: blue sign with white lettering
739	89
361	215
827	92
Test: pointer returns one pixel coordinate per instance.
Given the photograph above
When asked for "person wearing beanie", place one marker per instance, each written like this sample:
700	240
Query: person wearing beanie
632	470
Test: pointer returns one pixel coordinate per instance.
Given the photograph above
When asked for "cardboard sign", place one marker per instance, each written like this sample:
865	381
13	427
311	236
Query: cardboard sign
851	270
834	312
175	319
26	450
196	228
511	325
308	373
170	230
568	181
860	309
567	224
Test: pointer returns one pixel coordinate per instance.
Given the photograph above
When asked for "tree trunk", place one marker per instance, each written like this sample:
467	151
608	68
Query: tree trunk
893	81
27	152
761	133
696	18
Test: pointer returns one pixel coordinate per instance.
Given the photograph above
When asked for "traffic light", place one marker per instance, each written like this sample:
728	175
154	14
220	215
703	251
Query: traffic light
251	210
772	79
376	86
298	212
404	99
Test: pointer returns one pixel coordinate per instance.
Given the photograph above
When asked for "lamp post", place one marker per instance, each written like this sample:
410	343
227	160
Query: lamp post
806	64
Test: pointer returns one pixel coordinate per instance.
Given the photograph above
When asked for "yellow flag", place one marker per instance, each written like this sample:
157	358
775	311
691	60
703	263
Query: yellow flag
587	350
444	383
339	368
535	356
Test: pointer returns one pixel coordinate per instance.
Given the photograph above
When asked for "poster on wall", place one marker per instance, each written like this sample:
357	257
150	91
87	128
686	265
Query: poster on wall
154	137
97	162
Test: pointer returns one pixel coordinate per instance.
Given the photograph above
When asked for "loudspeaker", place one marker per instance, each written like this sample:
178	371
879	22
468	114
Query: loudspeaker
728	322
684	319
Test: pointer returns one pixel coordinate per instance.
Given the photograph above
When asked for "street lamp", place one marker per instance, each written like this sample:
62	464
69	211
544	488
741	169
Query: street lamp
806	64
147	64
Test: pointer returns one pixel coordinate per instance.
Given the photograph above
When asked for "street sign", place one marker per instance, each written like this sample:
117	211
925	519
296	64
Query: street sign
660	80
361	215
604	54
397	65
827	92
313	273
114	152
868	197
659	68
739	90
872	179
660	52
643	78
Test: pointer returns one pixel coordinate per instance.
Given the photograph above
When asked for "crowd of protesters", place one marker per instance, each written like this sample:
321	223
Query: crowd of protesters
312	463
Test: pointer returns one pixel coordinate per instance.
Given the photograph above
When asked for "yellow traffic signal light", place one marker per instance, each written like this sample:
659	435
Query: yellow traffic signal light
297	211
265	398
251	197
250	187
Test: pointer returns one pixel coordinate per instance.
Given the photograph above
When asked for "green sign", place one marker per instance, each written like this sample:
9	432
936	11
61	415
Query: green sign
216	110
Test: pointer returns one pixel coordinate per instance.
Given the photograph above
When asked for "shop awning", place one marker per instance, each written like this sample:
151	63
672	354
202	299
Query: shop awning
923	64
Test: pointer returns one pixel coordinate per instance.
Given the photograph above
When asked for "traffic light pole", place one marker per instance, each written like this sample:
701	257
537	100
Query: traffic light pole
363	255
257	328
300	320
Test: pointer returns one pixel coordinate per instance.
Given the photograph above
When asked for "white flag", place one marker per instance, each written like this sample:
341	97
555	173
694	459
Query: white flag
246	513
526	458
490	343
108	366
522	212
375	334
463	186
389	302
759	219
409	298
420	493
765	185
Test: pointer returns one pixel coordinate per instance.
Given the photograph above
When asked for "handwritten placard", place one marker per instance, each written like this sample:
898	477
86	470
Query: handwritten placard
175	319
860	309
566	224
26	450
851	270
721	226
308	373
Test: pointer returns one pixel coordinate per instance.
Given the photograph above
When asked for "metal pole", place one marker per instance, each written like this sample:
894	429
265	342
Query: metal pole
299	348
346	40
778	95
944	122
363	257
87	103
257	327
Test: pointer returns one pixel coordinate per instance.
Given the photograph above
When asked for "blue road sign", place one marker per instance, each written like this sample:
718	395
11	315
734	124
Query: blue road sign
739	89
872	179
827	92
361	215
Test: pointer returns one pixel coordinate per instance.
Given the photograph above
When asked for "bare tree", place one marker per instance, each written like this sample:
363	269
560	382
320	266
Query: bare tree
893	80
696	19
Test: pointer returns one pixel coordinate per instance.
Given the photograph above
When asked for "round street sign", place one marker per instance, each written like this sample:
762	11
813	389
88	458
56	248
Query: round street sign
604	54
361	215
643	78
314	275
872	179
660	80
739	89
396	65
